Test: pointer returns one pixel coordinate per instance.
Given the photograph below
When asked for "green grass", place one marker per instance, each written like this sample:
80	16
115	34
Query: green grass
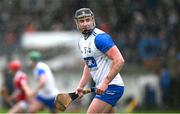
3	111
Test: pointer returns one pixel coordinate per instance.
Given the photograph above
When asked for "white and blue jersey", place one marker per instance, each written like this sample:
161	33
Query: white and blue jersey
93	51
49	90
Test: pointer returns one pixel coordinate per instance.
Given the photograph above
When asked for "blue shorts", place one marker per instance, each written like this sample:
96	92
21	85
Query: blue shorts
112	94
49	102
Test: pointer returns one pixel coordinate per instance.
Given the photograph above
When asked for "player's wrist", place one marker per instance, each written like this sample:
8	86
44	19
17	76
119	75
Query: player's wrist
80	86
106	82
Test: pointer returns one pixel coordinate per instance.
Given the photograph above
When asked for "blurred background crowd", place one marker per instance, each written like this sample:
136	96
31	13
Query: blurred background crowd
146	31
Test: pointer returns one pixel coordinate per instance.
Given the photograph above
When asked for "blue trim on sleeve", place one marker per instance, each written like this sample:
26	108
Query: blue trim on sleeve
40	72
104	42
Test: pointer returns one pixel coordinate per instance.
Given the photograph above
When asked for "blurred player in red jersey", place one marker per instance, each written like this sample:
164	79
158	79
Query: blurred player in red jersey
22	90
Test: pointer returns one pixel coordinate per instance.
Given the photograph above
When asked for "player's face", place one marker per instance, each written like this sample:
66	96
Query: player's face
85	23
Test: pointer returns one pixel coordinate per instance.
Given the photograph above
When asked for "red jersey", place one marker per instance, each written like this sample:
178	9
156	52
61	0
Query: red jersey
19	78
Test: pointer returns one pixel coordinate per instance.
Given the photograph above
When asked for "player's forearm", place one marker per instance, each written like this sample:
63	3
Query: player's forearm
41	83
115	69
39	86
84	80
85	77
26	88
14	95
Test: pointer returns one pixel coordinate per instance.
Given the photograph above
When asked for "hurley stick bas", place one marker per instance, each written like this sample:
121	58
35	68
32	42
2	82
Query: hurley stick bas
63	100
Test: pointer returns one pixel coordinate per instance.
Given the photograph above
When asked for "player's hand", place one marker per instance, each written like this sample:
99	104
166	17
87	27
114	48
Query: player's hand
101	88
79	91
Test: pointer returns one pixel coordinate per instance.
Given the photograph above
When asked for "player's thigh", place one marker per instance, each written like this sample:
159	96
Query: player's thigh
99	106
18	108
35	106
15	109
109	109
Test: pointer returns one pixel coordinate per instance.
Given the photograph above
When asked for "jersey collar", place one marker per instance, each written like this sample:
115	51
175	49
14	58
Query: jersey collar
86	34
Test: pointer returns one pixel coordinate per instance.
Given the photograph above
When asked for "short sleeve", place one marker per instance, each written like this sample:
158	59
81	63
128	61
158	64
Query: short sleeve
40	72
104	42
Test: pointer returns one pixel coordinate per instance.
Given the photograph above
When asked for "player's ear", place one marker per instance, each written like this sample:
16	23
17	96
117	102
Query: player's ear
77	25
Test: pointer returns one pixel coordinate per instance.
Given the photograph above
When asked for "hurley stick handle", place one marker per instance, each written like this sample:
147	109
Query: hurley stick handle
88	90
